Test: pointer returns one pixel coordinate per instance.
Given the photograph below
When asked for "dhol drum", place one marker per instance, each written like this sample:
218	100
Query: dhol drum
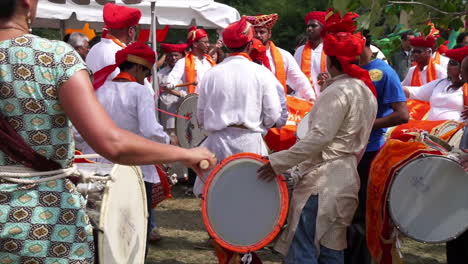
116	205
241	212
428	200
189	132
303	127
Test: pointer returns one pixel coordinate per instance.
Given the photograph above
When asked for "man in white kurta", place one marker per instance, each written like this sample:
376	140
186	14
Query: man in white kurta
440	73
290	74
238	99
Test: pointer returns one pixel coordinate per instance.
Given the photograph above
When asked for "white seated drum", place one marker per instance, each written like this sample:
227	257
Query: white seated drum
189	132
303	127
119	210
241	212
428	199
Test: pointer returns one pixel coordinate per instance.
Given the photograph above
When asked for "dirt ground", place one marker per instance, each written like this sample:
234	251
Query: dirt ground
183	233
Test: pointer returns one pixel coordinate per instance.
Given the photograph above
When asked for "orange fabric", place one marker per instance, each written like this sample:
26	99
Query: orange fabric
125	76
431	74
191	72
394	154
226	256
447	136
80	160
279	65
115	40
416	126
284	138
465	94
306	62
243	54
437	58
418	109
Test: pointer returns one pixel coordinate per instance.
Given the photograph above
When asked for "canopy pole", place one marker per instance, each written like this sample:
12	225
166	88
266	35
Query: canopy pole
154	46
62	29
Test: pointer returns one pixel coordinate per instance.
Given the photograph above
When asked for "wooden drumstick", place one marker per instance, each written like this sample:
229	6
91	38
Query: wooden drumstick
186	84
204	164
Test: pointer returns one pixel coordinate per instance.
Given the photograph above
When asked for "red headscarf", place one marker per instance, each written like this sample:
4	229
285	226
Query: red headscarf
258	53
317	15
238	33
117	17
457	54
167	48
340	41
195	34
267	21
443	48
425	42
137	52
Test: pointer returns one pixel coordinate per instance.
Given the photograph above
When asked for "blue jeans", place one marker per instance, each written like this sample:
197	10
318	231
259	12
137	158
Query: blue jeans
302	249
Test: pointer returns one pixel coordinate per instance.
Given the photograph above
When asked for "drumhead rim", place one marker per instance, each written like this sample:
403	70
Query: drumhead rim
284	201
397	225
181	122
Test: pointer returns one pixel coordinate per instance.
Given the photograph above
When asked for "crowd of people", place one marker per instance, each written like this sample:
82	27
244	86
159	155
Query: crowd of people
98	94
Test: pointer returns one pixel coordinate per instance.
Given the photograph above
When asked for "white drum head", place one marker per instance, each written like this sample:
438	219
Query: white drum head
189	132
240	211
303	127
428	199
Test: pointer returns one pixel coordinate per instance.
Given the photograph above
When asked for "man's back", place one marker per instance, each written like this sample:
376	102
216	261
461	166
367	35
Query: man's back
102	55
240	92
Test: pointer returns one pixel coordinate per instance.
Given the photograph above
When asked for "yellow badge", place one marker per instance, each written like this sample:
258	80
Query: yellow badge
376	75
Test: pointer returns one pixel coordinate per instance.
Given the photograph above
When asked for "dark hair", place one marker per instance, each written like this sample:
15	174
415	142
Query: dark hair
7	8
461	37
66	38
240	49
366	34
94	41
127	65
218	51
335	63
404	35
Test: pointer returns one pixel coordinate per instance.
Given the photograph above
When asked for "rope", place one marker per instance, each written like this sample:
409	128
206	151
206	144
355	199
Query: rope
171	114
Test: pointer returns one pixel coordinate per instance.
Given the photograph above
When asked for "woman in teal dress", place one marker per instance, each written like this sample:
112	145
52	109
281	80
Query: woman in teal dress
43	86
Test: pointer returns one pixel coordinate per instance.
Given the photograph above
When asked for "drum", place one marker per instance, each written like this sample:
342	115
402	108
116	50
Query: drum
116	205
189	132
303	127
241	212
428	200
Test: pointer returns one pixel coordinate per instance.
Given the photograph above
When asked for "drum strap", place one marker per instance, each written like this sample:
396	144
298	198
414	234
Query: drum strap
14	146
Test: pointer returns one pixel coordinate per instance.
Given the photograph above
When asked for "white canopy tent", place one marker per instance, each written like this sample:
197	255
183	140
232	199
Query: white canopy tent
177	13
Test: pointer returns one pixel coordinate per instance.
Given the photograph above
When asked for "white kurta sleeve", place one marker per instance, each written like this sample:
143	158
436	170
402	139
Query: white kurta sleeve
284	107
326	119
148	125
177	73
298	55
423	92
409	76
272	110
296	79
201	102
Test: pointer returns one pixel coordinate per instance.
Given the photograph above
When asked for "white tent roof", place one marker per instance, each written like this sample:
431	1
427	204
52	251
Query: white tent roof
179	13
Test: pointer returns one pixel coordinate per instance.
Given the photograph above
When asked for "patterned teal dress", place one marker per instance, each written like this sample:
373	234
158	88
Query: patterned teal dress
46	222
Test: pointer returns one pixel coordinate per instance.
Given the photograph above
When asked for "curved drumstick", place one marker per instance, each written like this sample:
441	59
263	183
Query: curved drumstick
186	84
204	164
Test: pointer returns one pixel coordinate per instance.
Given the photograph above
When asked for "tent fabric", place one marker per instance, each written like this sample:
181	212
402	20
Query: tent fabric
177	13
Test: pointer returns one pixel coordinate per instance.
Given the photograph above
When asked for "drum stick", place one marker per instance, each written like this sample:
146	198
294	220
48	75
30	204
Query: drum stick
186	84
204	164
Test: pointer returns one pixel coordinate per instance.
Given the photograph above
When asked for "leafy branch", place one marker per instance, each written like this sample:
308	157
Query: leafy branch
430	7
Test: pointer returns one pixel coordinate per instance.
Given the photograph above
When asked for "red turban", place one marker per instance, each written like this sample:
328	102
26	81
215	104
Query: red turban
443	48
457	54
117	17
195	34
137	52
258	53
335	23
317	15
426	42
167	48
267	21
238	34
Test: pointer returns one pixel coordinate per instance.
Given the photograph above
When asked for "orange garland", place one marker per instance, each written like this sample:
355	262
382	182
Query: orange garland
191	72
279	65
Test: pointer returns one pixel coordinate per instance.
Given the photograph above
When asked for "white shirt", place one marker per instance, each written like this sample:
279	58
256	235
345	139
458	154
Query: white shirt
239	92
443	60
445	104
131	106
315	68
168	101
178	72
440	73
102	55
295	78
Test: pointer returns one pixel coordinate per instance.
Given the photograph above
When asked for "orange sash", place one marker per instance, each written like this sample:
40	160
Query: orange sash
465	94
243	54
437	58
431	74
418	109
279	65
125	76
116	40
284	138
191	72
306	62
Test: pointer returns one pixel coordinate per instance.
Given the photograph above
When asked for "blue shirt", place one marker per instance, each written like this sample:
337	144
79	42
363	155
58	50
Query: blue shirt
389	90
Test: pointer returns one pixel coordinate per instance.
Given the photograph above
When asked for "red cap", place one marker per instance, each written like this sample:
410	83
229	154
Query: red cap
267	21
443	48
238	33
317	15
426	42
457	54
195	34
334	23
137	52
167	48
116	17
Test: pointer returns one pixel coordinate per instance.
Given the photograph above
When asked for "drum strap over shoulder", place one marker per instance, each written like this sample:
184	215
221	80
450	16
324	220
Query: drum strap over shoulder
14	146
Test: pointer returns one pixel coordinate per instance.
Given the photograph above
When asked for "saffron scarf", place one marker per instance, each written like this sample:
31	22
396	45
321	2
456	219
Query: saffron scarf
306	62
431	74
279	65
191	72
115	40
245	55
437	58
465	94
125	76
